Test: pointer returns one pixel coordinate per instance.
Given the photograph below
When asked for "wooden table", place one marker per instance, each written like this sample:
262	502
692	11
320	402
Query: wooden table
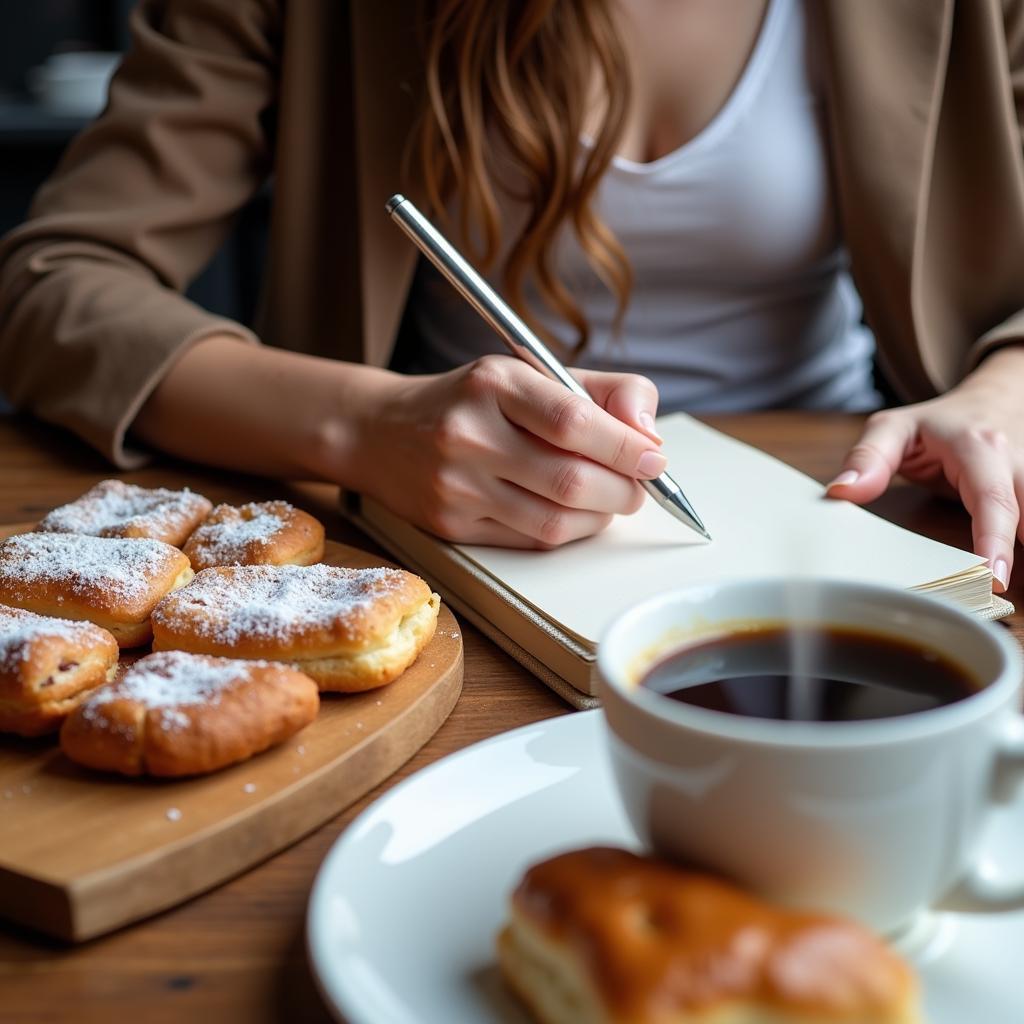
237	953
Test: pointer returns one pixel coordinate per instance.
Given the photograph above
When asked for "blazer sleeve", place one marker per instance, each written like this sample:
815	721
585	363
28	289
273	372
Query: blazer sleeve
1011	330
91	310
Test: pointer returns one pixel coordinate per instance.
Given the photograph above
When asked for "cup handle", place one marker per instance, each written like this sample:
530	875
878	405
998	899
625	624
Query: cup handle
983	888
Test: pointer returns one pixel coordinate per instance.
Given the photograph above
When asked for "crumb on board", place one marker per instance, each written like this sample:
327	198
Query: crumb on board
173	814
249	787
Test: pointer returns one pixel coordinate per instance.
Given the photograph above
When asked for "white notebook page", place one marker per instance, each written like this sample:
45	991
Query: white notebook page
766	518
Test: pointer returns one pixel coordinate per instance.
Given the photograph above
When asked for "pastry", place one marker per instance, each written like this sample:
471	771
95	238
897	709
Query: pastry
116	509
184	714
46	665
110	581
258	533
602	936
349	629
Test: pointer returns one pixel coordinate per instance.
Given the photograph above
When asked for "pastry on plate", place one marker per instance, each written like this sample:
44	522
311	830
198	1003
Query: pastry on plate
176	714
603	936
115	509
257	533
113	582
349	629
46	666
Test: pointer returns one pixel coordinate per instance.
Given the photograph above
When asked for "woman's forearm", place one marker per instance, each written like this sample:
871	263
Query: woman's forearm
262	410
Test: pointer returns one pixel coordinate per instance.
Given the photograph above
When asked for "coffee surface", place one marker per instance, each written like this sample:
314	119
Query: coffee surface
811	674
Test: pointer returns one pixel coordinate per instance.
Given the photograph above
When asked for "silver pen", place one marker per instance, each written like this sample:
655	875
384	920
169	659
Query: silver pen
521	341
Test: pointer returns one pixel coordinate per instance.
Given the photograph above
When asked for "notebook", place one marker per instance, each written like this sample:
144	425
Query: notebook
548	608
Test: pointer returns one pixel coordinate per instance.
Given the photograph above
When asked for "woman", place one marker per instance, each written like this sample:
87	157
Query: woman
670	186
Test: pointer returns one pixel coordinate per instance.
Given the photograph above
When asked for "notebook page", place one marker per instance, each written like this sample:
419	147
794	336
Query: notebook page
766	518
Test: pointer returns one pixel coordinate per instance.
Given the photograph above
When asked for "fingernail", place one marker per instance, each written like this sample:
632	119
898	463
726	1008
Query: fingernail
647	422
1001	571
651	464
849	476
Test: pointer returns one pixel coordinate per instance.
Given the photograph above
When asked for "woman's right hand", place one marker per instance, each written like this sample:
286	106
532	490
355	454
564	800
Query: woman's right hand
496	453
490	453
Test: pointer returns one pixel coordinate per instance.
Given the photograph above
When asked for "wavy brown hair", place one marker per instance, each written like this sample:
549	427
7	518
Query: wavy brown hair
521	76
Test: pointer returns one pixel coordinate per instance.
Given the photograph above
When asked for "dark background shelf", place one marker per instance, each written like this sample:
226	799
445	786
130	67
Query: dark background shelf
24	123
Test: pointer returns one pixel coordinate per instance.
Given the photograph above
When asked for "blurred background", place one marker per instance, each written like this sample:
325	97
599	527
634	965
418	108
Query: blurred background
55	59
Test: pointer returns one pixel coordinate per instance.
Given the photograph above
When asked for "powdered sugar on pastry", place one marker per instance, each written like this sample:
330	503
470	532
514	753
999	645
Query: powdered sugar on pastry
175	714
170	680
277	602
348	629
46	666
230	537
83	565
116	509
257	533
20	629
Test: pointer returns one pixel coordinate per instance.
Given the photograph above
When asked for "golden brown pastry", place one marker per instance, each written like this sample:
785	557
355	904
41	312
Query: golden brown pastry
602	936
349	629
115	509
113	582
258	533
46	666
184	714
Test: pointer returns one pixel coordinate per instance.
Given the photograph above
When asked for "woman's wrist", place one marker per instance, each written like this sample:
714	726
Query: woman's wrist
344	423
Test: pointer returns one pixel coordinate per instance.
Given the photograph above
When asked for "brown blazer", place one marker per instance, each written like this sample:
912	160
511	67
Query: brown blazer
926	100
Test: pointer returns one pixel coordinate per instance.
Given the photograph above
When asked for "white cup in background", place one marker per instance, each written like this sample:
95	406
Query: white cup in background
73	84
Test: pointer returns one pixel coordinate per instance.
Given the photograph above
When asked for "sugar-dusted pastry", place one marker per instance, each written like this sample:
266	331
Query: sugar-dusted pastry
258	533
350	629
602	936
46	665
111	581
185	714
115	509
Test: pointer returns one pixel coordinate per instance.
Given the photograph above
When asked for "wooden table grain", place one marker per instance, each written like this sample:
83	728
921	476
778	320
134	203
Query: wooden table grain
237	954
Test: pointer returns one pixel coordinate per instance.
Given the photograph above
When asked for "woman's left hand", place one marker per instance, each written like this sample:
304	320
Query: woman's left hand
970	440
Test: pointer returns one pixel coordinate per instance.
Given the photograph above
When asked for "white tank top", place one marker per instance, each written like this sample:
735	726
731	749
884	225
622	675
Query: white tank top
742	299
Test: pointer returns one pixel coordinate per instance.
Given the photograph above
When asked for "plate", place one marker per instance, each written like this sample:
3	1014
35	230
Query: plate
406	905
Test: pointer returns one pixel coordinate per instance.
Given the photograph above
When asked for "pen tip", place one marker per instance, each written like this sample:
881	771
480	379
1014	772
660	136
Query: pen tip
395	201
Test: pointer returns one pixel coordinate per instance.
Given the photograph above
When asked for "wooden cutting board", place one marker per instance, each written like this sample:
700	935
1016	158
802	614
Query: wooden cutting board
82	853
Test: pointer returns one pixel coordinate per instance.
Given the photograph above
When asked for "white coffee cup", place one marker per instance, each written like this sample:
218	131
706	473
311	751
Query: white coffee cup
876	819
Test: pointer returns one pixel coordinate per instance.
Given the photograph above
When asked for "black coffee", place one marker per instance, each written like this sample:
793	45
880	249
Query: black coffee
821	675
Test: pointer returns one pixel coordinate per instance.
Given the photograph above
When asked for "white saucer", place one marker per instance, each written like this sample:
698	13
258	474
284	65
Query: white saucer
405	908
